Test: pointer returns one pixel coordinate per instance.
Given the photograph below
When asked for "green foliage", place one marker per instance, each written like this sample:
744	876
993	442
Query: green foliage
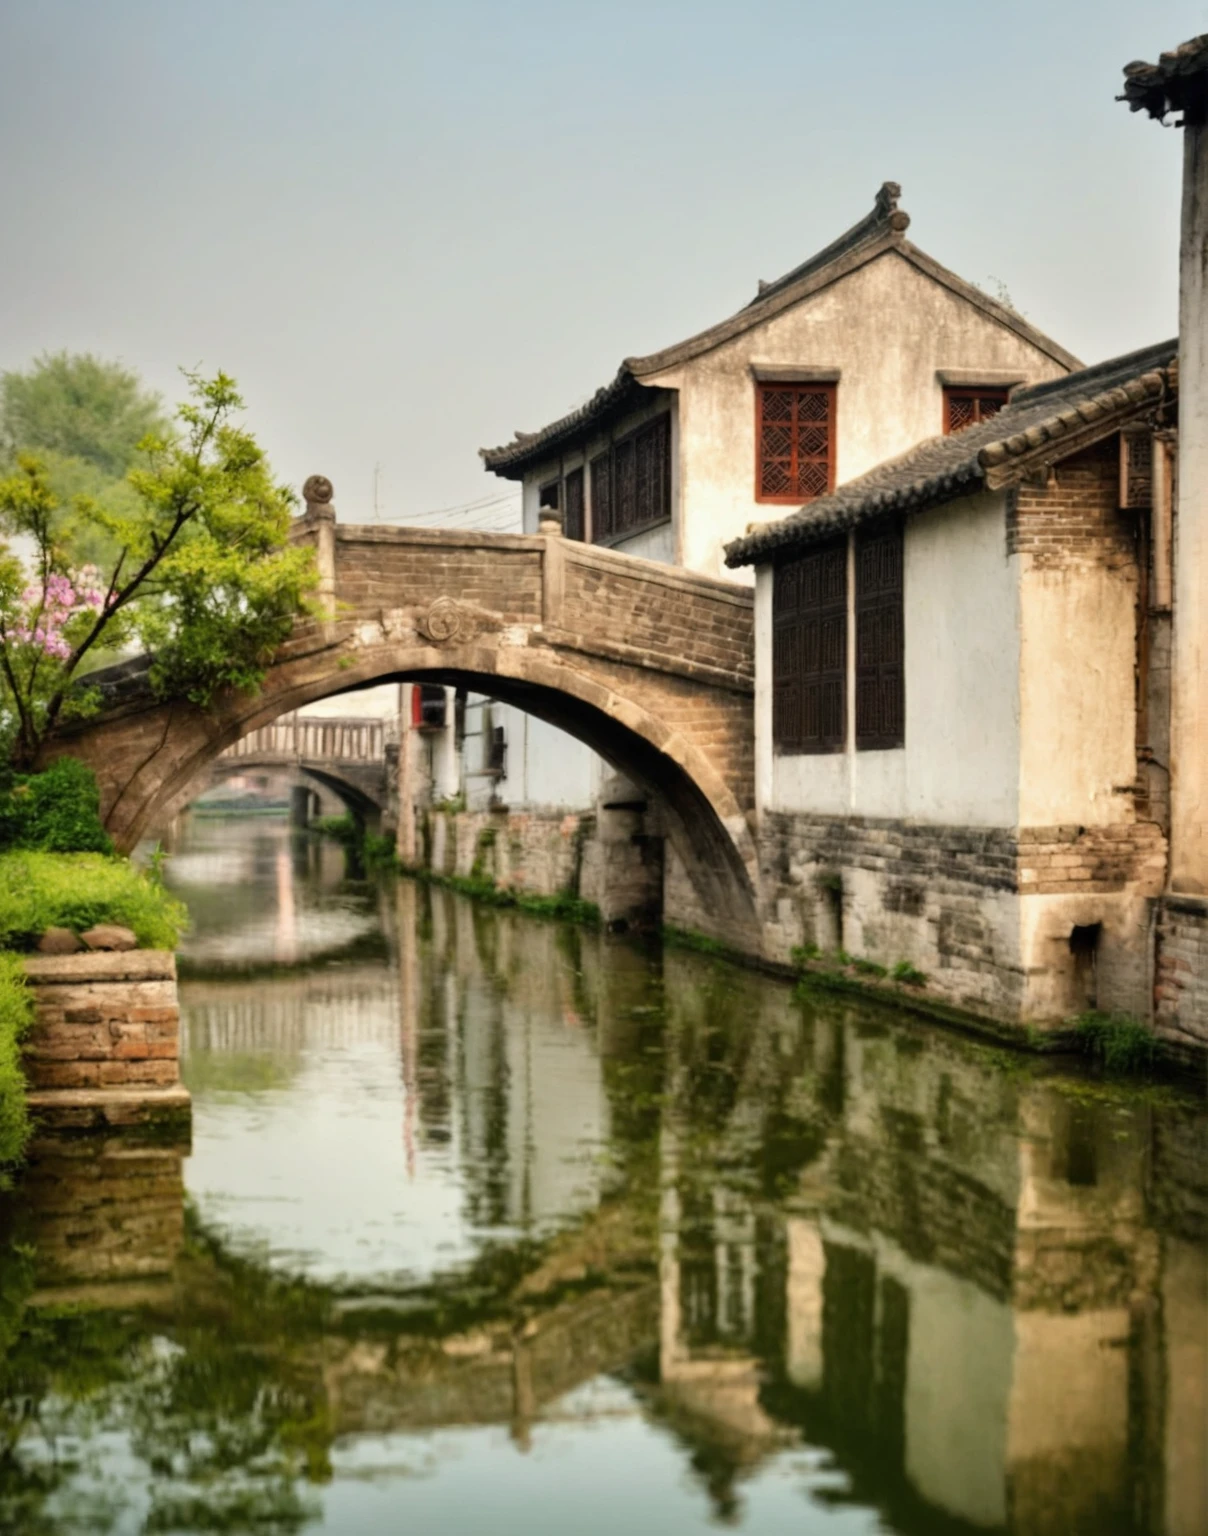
58	810
343	829
78	407
690	938
1119	1043
16	1016
867	967
77	890
199	572
908	975
564	907
484	846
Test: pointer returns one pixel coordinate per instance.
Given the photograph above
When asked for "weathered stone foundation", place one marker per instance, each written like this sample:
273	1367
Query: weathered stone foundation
1032	925
105	1046
610	856
1182	980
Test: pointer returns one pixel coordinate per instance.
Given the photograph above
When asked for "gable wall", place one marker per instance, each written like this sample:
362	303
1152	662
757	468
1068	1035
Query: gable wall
887	328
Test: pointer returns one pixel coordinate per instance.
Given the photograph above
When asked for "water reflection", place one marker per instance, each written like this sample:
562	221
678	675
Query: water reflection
522	1220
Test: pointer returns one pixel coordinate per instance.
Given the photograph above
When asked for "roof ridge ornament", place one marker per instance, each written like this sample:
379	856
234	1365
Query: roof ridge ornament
885	207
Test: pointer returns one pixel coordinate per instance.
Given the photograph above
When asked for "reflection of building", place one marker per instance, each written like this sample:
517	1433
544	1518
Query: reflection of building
969	1295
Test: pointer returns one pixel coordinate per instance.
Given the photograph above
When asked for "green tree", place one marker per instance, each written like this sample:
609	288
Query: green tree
200	572
77	406
84	418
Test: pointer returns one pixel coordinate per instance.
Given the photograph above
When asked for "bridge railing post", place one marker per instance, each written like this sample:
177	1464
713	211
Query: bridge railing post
553	568
321	515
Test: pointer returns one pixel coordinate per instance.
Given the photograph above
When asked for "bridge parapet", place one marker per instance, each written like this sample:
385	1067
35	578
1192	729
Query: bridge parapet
297	738
650	665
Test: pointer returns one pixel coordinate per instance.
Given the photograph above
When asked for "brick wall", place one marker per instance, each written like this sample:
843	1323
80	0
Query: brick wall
1182	980
388	568
1076	516
104	1021
948	900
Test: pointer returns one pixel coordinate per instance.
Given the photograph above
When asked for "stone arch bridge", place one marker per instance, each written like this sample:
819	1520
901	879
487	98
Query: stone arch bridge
650	665
346	754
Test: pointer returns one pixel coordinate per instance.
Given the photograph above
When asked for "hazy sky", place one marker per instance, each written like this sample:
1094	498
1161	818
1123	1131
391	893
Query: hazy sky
410	228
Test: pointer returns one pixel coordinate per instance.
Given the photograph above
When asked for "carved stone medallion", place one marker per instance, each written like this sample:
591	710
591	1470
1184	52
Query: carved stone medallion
447	622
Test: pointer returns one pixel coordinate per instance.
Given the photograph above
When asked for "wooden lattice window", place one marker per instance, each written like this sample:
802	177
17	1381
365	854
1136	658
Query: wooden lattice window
795	441
880	639
966	407
573	519
809	651
631	482
1136	469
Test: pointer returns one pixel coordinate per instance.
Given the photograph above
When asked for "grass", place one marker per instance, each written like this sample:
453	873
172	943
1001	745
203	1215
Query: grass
16	1016
77	890
689	938
1117	1042
563	907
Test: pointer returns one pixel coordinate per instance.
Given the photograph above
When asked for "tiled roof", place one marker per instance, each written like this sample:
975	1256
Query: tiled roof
884	229
1176	83
942	468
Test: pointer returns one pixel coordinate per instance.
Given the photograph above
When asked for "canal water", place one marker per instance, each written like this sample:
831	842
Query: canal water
493	1224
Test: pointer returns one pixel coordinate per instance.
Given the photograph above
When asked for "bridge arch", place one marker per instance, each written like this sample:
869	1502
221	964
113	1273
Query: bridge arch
364	806
649	666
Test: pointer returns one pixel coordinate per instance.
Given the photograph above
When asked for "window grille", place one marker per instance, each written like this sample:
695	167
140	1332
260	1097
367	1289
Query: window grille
573	520
631	482
966	407
1136	469
497	751
809	651
880	647
795	437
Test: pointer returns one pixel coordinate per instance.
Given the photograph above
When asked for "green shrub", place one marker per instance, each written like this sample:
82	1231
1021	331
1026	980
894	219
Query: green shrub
908	975
58	810
1117	1042
76	890
343	829
16	1015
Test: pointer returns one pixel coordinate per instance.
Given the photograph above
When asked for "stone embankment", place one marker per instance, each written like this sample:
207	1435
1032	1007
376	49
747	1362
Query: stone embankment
104	1050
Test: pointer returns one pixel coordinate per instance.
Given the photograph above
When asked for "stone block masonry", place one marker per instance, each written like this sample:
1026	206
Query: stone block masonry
105	1046
1024	925
1182	980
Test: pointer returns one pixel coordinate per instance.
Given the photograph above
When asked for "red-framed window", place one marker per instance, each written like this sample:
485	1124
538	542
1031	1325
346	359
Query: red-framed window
966	407
794	441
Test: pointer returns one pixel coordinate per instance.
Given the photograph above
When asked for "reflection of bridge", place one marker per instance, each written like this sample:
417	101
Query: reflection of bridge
346	754
650	665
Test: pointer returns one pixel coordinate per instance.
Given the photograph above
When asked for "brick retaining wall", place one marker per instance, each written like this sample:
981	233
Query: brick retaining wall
105	1046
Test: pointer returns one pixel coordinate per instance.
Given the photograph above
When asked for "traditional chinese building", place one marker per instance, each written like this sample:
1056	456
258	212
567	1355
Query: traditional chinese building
962	663
855	355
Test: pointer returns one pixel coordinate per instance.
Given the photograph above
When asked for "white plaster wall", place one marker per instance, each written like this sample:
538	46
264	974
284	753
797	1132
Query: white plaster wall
1077	695
960	763
888	328
544	766
958	1387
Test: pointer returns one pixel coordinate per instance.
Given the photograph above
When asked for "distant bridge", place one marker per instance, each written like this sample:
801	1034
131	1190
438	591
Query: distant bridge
346	754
